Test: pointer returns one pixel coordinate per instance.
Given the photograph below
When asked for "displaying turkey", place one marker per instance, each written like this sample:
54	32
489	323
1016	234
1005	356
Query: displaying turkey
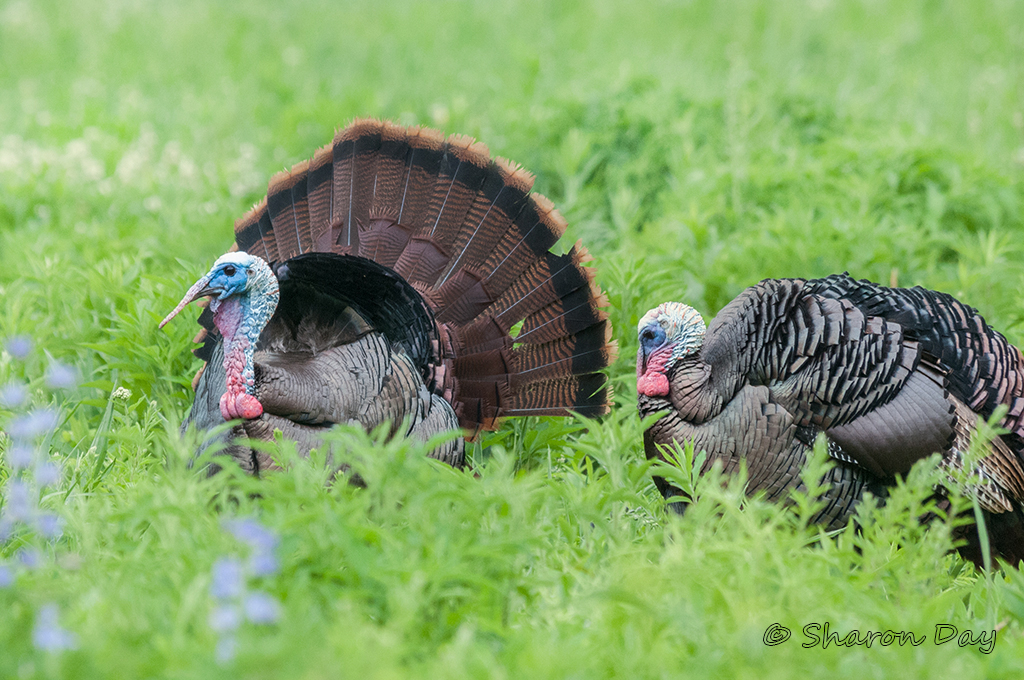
889	375
397	276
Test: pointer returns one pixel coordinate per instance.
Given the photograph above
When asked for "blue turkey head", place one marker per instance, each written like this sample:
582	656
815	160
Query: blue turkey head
667	333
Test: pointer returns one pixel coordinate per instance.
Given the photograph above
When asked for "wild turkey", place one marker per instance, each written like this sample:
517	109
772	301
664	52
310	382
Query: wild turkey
889	375
397	276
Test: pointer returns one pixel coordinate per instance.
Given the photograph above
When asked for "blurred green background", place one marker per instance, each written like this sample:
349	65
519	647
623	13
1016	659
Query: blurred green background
696	148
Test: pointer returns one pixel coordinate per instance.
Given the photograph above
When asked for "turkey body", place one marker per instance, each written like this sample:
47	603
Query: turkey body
888	375
417	287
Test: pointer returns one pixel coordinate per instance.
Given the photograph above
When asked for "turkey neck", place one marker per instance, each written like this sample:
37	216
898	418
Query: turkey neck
240	321
692	392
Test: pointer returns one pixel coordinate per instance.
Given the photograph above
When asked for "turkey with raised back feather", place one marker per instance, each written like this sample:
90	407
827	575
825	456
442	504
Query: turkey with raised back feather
399	277
888	375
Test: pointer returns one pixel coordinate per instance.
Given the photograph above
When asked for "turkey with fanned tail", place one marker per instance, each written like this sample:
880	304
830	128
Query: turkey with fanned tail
399	277
888	375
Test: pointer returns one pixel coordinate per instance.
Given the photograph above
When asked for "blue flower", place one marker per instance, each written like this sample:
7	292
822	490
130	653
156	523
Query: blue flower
228	585
6	576
13	395
225	618
262	564
33	424
20	505
226	648
61	376
228	579
29	557
50	526
19	456
47	473
252	532
47	635
261	608
20	346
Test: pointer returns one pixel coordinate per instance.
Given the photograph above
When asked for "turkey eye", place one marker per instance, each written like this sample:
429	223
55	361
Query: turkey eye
229	270
647	334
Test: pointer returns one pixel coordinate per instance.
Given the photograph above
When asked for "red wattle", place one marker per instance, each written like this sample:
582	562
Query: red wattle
249	407
652	384
235	402
227	406
240	405
650	374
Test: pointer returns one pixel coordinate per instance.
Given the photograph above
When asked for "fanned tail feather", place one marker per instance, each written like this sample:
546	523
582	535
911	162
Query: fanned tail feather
289	211
466	232
320	199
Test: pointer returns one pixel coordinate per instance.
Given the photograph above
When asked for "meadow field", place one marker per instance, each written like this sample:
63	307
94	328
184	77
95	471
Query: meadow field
696	148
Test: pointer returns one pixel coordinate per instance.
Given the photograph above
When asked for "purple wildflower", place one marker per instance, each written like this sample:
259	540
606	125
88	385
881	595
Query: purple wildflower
13	395
252	532
228	579
29	557
226	648
6	576
50	526
20	346
228	585
61	376
224	618
47	473
19	456
262	564
33	424
261	608
47	634
19	506
263	541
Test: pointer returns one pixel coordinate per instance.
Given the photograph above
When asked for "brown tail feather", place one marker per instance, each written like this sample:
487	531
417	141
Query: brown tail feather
342	188
422	261
384	240
571	314
392	172
550	278
289	213
497	204
586	352
467	233
364	177
589	396
255	234
427	150
320	200
537	228
464	169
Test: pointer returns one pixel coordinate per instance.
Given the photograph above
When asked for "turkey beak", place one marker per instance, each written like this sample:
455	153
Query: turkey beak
201	288
641	360
642	356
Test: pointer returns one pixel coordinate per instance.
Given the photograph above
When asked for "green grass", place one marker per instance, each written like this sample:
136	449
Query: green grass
696	147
